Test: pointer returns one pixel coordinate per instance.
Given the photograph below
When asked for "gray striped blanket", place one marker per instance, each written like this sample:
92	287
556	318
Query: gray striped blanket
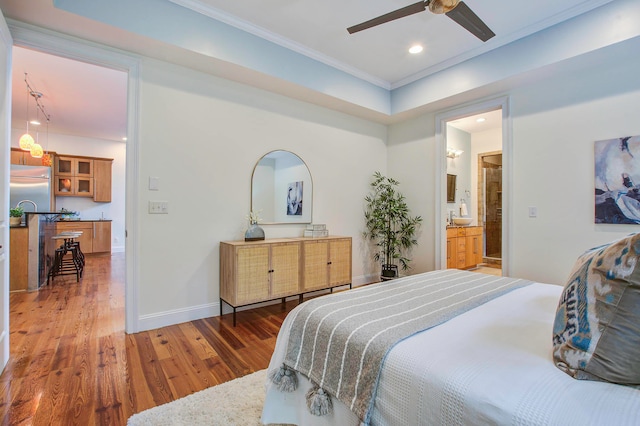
340	341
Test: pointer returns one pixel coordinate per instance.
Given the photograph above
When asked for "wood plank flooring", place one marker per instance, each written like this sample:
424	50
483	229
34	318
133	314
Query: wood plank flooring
72	363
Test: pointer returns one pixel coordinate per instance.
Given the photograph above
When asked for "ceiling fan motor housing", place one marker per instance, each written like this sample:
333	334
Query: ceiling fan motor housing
442	6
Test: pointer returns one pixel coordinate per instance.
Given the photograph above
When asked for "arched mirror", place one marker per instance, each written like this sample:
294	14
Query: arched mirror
282	189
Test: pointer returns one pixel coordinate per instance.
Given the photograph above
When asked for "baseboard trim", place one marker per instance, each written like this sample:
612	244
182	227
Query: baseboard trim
177	316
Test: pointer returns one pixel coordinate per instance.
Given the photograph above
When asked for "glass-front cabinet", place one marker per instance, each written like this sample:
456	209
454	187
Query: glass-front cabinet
72	166
73	176
73	186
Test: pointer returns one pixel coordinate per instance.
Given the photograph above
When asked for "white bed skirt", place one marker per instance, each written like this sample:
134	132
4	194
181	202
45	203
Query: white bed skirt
491	365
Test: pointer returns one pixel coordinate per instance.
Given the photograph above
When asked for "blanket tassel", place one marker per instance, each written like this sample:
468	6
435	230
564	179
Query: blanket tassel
318	401
285	378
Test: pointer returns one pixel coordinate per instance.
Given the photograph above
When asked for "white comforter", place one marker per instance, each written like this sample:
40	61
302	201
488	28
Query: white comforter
491	365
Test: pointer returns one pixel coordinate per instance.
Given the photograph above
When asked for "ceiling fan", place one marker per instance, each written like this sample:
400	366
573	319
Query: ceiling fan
454	9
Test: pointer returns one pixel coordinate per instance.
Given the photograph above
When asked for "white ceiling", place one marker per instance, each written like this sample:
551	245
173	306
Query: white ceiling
319	28
81	99
88	100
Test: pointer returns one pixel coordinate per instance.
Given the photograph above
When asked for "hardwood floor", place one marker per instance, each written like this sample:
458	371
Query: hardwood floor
71	362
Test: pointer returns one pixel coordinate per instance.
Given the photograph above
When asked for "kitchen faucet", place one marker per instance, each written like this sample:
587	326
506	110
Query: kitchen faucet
35	206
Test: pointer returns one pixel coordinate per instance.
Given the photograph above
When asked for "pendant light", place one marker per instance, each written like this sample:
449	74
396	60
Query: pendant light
46	157
26	140
36	148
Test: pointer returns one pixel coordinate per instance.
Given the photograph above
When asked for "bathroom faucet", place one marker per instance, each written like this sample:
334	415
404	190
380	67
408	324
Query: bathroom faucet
35	206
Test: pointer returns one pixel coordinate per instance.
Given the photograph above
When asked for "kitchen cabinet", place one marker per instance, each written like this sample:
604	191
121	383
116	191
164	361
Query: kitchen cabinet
73	166
102	180
464	247
73	176
24	158
101	237
327	263
82	177
96	235
258	271
73	186
19	258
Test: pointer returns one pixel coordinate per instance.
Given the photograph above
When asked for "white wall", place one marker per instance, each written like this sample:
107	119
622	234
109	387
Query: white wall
555	122
411	153
88	209
207	184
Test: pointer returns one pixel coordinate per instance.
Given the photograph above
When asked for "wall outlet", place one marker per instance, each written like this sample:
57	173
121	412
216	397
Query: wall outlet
158	207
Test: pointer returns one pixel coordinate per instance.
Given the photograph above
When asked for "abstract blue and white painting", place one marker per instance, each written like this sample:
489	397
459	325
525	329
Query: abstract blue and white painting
617	180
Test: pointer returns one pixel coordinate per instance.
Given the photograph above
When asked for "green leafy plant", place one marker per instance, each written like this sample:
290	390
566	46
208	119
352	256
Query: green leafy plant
16	212
389	224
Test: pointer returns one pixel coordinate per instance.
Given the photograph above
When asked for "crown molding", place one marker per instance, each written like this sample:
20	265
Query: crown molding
213	13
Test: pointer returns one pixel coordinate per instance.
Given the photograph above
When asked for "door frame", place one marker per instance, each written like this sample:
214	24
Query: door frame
440	234
65	46
5	137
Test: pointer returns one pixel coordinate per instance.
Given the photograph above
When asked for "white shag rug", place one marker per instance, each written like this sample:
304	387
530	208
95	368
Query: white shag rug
237	402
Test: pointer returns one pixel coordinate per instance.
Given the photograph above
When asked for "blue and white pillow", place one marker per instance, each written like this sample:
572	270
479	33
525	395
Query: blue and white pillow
596	333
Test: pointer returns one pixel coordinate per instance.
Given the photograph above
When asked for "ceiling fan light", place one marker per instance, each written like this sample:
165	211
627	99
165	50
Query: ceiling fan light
442	6
26	142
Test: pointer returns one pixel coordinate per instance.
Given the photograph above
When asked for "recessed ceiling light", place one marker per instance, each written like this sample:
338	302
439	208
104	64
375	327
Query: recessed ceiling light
35	122
415	49
481	120
124	138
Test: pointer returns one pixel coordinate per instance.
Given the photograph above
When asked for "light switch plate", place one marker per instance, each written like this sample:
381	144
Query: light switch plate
533	211
158	207
154	183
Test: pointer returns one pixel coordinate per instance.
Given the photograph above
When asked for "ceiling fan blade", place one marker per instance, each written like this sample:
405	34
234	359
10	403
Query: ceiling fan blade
400	13
470	21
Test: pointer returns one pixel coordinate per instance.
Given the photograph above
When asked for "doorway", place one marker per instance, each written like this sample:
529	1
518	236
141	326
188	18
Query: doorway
497	141
490	205
92	54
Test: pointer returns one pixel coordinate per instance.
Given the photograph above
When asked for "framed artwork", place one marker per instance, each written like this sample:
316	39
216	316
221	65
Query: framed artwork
617	180
294	199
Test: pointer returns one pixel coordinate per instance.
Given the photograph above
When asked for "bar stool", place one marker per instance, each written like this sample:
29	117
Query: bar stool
71	243
68	259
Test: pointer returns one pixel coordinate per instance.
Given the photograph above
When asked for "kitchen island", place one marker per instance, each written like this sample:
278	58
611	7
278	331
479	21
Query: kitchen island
36	243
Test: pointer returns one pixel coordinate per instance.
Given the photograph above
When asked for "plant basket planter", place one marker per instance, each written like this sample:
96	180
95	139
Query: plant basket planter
389	271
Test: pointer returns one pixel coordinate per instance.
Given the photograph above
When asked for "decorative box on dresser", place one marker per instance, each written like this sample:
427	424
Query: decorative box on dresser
464	247
259	271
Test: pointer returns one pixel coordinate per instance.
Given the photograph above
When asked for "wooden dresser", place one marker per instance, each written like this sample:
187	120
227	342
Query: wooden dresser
464	247
258	271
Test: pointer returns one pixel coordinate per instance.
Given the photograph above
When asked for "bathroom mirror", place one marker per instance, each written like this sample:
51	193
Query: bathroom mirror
451	188
282	189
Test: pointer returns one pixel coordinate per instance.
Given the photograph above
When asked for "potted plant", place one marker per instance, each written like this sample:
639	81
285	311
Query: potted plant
389	225
15	216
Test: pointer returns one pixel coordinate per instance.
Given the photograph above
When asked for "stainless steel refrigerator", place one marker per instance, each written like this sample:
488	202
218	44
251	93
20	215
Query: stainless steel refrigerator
30	183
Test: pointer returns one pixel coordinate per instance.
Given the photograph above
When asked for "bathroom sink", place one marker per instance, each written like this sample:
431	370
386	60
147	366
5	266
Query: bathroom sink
462	221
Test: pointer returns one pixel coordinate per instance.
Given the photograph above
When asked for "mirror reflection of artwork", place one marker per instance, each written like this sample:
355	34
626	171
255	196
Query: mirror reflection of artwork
451	188
617	180
294	199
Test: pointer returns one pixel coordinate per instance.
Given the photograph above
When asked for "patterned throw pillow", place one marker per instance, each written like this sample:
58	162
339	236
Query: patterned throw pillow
596	334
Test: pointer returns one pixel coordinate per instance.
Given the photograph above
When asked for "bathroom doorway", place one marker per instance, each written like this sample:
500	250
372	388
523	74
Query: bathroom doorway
490	205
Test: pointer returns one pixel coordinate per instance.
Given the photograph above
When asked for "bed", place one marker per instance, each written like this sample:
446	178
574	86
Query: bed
491	364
